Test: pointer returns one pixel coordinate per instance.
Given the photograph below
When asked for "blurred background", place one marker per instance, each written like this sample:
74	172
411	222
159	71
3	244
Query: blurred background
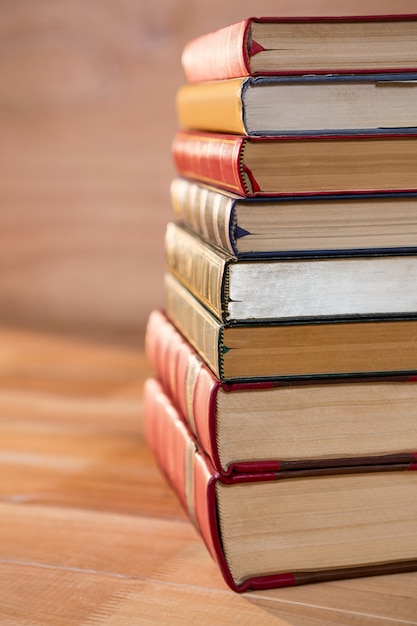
87	116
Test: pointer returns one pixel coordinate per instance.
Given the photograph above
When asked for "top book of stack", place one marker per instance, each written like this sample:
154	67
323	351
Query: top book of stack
316	45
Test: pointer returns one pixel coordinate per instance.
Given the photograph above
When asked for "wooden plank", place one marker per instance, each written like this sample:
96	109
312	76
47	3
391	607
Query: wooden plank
70	427
179	605
92	470
170	553
85	452
113	544
376	600
41	596
46	596
176	605
91	533
74	366
37	596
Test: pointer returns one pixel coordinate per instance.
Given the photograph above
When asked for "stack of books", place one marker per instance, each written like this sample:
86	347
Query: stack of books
283	409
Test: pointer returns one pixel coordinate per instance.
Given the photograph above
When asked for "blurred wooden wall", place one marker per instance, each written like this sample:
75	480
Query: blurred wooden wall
87	117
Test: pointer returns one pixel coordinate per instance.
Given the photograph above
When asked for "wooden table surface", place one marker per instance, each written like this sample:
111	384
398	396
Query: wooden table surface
89	531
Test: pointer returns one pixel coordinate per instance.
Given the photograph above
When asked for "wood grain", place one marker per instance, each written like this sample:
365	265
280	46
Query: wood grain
91	534
89	531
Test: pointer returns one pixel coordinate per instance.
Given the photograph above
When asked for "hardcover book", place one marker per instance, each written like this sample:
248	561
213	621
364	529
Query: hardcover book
275	529
303	45
299	164
282	425
245	290
249	227
265	105
331	347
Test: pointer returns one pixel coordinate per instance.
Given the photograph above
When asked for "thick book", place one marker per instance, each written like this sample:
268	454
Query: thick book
263	289
281	425
293	349
249	227
303	45
266	105
276	529
296	163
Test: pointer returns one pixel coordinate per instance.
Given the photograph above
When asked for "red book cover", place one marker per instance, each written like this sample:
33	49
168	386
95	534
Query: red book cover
227	52
211	158
221	54
195	480
194	390
293	163
192	385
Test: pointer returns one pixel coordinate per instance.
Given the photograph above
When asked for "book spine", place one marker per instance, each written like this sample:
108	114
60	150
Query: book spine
226	53
190	384
205	211
199	327
216	106
218	55
211	158
198	267
167	442
160	351
193	478
189	473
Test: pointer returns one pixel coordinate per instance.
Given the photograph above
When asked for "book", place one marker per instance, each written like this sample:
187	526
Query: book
262	289
303	45
281	424
275	105
296	348
276	529
299	164
249	227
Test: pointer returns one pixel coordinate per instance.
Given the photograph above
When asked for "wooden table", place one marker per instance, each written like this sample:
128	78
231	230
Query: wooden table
89	531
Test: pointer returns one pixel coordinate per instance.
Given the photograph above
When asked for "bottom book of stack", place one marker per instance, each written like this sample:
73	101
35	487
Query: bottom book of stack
273	529
345	506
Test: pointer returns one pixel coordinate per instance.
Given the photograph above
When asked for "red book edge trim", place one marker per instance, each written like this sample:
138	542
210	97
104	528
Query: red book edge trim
204	506
336	19
284	579
254	47
237	168
230	165
383	17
